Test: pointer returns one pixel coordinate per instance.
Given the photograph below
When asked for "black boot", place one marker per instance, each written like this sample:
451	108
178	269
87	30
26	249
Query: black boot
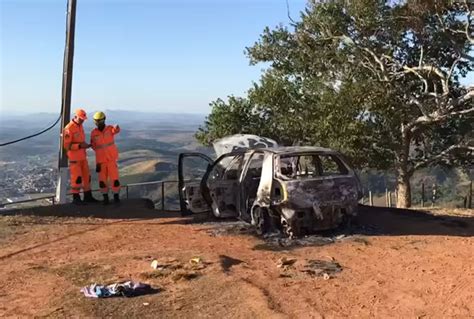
76	199
106	199
116	198
88	197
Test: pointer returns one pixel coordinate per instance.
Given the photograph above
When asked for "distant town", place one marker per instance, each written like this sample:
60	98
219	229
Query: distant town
31	175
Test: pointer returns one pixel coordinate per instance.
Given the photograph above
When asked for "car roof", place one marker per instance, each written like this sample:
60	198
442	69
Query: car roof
284	150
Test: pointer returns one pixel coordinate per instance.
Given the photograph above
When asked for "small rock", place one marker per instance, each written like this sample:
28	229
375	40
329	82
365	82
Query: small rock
146	303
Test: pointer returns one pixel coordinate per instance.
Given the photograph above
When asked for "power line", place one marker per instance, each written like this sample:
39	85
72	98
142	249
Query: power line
33	135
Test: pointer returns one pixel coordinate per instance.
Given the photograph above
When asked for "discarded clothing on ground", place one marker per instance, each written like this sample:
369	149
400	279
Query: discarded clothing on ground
126	289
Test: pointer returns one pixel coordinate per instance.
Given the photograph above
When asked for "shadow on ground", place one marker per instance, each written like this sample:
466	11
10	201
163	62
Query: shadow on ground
399	222
127	209
371	221
380	221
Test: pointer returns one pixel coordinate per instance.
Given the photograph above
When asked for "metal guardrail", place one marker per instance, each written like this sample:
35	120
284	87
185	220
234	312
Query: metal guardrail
52	198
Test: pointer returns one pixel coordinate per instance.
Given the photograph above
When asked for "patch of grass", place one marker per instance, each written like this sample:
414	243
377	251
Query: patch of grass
82	274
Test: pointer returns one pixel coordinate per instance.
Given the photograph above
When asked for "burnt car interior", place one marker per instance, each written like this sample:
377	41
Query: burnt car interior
223	184
311	165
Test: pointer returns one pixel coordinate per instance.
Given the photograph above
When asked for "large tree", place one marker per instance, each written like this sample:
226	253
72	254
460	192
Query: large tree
379	80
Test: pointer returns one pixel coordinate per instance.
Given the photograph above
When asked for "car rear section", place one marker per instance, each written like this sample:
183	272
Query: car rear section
317	204
314	192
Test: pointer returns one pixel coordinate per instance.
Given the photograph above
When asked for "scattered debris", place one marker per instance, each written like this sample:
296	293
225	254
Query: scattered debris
284	262
126	289
322	268
146	303
312	267
230	228
176	269
185	274
195	261
155	264
285	243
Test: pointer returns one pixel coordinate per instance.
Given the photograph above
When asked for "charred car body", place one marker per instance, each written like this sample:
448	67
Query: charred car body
297	190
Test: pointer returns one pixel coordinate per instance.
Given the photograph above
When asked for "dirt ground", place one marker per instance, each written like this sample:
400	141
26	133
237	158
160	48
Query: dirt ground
392	263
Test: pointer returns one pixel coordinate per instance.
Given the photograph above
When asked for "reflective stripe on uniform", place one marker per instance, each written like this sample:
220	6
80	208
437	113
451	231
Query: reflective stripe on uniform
104	145
72	162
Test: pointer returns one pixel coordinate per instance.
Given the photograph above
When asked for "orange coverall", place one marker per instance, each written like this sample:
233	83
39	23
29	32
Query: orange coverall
78	166
106	156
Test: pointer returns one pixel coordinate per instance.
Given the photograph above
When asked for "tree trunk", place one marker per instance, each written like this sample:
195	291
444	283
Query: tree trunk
403	190
403	178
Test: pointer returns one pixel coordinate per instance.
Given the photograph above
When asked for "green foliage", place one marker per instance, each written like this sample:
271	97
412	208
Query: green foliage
377	80
234	116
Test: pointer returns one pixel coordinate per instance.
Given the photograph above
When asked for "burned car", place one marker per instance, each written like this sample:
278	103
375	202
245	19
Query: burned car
296	190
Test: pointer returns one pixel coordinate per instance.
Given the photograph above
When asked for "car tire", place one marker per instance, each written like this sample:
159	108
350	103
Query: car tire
263	221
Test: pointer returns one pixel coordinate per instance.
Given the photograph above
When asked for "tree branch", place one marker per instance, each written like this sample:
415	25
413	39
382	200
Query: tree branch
379	62
435	117
442	155
428	68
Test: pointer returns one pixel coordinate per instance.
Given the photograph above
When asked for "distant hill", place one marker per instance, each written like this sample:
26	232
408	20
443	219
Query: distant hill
128	118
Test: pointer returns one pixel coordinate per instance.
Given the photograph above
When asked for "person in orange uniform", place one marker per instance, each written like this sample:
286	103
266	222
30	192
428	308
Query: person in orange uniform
106	156
75	144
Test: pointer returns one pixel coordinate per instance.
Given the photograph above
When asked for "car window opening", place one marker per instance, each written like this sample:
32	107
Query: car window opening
311	165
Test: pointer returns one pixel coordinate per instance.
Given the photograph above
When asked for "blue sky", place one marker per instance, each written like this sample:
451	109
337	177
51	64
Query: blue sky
147	55
162	55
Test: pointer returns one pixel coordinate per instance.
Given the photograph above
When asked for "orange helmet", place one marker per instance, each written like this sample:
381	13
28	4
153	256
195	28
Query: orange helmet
80	113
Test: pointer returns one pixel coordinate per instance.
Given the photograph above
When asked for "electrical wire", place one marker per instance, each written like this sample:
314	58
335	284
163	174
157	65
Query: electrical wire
33	135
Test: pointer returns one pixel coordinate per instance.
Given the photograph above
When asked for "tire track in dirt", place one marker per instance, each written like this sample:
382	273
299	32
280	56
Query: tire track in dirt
272	304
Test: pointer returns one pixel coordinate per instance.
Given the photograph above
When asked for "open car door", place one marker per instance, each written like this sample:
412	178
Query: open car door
220	185
191	169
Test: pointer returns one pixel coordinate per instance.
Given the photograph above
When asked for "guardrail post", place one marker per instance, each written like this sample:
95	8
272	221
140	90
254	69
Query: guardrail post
163	196
469	200
53	199
126	190
422	194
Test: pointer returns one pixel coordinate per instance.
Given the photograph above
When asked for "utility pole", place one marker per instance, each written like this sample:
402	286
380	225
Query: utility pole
66	99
